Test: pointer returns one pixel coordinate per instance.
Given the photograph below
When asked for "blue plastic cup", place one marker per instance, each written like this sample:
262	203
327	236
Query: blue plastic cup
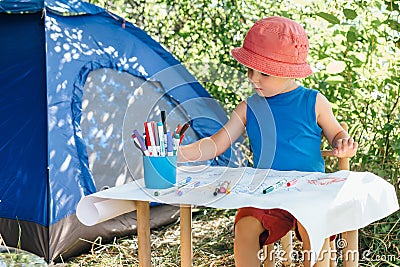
159	172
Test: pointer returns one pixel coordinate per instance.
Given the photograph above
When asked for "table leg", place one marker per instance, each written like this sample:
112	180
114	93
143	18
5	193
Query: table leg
186	235
143	232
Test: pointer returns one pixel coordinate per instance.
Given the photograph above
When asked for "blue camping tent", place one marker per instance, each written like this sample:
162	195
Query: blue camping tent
71	74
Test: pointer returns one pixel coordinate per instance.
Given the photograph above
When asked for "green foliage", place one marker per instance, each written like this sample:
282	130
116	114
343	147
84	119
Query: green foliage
362	35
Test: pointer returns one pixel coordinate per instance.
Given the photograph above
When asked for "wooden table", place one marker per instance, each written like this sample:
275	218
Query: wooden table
144	247
143	232
373	192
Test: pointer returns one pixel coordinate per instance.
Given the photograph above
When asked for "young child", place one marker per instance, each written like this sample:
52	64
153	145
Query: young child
284	122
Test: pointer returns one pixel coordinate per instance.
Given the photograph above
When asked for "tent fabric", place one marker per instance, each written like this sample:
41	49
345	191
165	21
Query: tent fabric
29	6
48	50
23	143
63	7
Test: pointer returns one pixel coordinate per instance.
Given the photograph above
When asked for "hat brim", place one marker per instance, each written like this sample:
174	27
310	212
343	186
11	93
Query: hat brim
269	66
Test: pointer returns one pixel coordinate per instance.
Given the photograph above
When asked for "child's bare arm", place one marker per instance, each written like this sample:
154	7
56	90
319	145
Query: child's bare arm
342	144
210	147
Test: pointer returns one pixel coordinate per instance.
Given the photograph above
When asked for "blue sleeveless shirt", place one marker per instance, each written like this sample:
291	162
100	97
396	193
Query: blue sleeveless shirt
283	131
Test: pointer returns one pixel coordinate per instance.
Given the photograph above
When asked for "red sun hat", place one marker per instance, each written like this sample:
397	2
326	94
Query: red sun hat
276	46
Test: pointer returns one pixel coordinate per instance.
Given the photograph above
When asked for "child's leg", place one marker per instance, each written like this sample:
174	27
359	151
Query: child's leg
246	244
322	258
306	244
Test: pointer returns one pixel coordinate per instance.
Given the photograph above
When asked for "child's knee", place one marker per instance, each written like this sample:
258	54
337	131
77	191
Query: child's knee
248	226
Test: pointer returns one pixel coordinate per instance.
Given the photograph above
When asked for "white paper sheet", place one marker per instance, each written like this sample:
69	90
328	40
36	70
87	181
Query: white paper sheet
325	204
93	210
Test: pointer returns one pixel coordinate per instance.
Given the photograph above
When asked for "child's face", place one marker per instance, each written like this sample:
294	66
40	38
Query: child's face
268	86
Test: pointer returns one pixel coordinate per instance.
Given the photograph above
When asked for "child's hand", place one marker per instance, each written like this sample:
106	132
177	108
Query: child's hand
345	148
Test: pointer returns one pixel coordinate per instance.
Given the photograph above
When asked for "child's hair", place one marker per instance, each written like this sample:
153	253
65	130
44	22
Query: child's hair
276	46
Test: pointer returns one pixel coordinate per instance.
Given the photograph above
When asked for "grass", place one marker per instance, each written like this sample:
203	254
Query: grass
15	257
212	230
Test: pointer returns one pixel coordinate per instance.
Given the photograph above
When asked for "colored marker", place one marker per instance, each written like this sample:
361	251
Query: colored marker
163	120
156	144
161	138
164	123
176	143
156	138
148	142
178	185
188	187
178	128
150	133
181	138
275	186
170	146
139	142
216	191
228	189
138	146
184	128
291	183
182	131
224	187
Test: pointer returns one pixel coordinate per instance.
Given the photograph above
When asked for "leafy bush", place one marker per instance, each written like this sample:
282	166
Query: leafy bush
354	49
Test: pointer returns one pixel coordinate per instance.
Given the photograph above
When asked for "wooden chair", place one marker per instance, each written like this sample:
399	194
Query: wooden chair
350	254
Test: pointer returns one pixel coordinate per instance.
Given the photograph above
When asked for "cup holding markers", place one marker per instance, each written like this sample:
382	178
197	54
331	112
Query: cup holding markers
159	148
159	172
160	163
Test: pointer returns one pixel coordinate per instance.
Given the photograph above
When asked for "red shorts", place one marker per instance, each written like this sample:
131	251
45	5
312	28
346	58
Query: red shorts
277	223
